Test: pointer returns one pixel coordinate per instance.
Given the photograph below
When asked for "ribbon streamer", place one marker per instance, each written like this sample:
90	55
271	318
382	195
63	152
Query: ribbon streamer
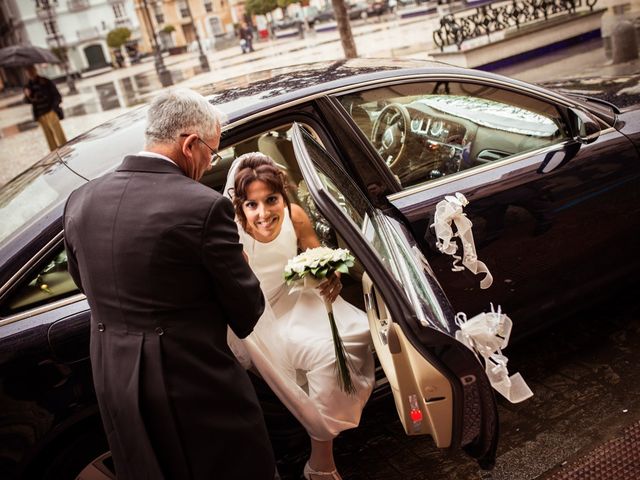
487	334
450	212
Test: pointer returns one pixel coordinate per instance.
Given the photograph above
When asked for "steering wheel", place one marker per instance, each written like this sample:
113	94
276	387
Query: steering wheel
389	133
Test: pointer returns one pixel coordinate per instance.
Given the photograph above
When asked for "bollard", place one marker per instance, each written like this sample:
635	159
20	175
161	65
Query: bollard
624	46
610	19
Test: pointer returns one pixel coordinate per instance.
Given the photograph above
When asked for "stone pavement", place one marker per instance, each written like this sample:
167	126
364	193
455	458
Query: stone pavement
105	96
586	384
22	143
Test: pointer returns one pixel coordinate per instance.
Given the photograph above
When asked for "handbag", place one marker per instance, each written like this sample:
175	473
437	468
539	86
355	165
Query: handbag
58	111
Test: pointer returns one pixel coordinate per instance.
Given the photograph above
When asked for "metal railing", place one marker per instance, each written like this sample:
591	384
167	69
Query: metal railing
486	19
123	22
56	40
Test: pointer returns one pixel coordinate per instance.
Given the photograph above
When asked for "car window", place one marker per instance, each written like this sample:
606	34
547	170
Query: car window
424	131
50	282
276	143
392	251
28	196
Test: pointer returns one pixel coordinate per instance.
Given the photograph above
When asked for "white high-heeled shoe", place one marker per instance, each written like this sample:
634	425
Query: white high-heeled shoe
308	471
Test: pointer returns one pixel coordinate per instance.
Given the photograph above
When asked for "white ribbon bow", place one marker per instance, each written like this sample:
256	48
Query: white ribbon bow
487	334
450	211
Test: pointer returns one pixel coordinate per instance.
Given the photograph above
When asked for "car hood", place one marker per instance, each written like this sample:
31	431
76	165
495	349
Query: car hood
622	91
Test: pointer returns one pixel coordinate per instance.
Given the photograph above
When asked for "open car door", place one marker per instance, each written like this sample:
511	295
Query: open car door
439	385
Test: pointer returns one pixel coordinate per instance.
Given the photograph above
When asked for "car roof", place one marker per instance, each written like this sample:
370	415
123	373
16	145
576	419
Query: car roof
249	94
241	99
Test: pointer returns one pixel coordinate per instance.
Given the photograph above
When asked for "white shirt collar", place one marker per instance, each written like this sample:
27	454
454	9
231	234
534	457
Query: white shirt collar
145	153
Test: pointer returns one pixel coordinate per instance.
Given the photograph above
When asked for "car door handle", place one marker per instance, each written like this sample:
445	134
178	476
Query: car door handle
369	301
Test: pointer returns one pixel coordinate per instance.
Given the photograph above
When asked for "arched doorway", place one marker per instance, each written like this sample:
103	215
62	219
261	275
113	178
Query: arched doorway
95	57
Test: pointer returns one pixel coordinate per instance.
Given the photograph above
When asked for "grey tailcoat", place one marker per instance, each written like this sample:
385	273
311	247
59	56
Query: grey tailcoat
157	255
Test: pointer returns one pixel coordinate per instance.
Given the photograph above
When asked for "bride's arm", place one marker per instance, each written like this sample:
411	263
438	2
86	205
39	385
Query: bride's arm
307	238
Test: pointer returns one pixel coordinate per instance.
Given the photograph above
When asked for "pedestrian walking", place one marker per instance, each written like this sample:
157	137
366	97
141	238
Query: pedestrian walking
246	38
157	255
45	100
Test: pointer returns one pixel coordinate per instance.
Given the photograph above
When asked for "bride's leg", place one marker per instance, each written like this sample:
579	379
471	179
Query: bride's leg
321	459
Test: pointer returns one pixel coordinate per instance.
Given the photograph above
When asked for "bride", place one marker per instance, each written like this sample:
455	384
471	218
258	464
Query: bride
291	346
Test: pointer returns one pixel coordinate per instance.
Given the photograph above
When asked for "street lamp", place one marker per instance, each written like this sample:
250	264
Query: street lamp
204	63
48	8
163	74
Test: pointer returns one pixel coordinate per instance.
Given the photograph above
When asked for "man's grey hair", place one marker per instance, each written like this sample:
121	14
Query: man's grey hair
180	110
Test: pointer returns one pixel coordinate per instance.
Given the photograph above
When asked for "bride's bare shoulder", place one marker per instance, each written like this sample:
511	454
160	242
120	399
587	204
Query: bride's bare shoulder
298	215
304	229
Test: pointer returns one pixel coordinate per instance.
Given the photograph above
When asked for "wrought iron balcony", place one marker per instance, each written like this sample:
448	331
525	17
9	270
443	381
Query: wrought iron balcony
123	22
501	15
55	40
77	5
46	12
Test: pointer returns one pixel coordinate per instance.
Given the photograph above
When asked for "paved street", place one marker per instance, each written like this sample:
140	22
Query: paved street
583	373
586	388
105	96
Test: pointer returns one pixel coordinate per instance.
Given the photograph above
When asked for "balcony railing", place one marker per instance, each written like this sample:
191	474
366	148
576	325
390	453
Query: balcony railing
45	13
501	15
55	39
123	22
77	5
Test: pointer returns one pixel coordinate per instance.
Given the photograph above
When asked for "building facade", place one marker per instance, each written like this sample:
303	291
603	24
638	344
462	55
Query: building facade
79	27
175	22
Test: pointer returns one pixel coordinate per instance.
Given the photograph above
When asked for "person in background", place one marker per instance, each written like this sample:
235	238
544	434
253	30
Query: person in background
246	34
157	255
45	100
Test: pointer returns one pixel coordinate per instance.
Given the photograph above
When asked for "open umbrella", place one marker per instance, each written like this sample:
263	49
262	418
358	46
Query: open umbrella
23	55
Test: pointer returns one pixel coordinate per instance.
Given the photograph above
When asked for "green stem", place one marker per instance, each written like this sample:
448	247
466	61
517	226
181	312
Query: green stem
342	363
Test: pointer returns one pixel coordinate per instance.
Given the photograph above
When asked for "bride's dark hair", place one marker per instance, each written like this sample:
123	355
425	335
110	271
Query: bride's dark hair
252	167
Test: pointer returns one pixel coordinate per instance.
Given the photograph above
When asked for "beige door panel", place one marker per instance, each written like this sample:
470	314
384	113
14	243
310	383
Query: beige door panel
422	394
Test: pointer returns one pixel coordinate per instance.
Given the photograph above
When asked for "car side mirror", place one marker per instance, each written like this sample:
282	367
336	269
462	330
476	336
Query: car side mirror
585	126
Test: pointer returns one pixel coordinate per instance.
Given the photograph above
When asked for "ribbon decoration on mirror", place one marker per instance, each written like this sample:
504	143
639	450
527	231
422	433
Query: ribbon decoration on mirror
450	212
487	334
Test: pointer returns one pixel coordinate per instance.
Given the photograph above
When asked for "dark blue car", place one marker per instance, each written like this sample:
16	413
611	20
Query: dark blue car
370	148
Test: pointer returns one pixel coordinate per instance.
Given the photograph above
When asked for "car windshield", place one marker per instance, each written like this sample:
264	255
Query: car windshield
32	194
496	115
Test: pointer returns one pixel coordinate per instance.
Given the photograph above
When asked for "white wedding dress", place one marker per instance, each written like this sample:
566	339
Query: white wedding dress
292	347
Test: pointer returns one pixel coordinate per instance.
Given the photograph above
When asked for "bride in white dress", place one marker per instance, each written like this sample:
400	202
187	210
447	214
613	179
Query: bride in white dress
291	345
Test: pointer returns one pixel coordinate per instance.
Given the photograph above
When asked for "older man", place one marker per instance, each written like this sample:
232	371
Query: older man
158	257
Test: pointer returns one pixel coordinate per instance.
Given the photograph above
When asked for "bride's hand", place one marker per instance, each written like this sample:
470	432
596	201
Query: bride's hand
331	287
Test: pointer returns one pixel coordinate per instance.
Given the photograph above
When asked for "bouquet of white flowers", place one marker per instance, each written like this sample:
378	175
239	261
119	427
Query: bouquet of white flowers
310	268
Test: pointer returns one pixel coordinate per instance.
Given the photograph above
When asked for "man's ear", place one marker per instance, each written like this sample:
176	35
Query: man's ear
187	145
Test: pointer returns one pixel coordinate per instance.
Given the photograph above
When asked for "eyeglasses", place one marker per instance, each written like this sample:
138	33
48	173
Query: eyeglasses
215	157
